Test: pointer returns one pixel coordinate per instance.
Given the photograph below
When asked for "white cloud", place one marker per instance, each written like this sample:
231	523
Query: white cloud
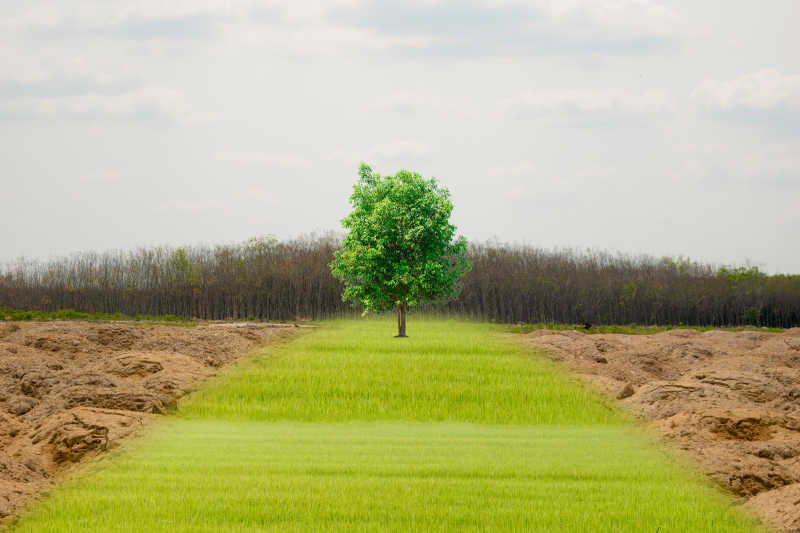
151	102
100	14
403	102
507	28
777	166
317	38
281	23
624	17
525	180
762	167
70	78
193	206
643	16
417	102
396	149
519	180
524	169
397	152
56	84
262	159
102	177
584	101
765	90
448	27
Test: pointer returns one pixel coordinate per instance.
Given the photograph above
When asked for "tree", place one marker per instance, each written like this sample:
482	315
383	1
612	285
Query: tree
401	249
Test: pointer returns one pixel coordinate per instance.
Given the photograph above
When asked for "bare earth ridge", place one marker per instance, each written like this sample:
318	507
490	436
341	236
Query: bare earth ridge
70	390
730	400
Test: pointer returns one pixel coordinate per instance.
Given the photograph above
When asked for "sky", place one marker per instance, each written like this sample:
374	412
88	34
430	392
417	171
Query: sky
639	126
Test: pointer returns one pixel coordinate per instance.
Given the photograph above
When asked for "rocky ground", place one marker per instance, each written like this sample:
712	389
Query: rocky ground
70	390
731	400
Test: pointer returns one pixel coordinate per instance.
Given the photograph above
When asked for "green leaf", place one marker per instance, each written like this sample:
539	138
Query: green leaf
400	246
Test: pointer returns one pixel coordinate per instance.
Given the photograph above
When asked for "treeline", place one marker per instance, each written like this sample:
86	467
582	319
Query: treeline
264	278
529	284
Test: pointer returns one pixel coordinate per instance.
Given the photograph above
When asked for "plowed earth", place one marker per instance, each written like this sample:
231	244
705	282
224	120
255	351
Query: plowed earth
70	390
731	400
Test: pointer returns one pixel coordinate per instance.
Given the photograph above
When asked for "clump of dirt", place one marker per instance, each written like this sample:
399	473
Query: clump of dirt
730	400
71	390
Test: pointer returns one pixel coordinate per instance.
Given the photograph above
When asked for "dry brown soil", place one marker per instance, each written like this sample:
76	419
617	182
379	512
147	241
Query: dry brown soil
731	400
71	390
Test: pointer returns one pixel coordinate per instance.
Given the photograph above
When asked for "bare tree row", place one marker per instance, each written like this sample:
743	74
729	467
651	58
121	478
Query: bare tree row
286	280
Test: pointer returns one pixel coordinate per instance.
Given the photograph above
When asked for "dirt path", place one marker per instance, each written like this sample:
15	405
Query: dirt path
70	390
730	400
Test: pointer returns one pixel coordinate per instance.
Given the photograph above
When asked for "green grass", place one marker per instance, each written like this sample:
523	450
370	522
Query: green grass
248	477
348	429
445	371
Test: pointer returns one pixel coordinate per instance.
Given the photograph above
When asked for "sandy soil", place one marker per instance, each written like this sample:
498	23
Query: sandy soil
71	390
731	400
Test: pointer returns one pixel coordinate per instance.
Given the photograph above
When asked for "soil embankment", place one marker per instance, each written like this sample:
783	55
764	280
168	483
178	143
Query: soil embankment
70	390
731	400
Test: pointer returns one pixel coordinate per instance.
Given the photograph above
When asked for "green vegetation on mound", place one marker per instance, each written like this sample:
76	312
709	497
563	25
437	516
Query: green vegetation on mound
7	313
349	429
630	329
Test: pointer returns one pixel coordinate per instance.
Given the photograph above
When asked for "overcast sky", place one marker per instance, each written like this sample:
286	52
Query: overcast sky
668	128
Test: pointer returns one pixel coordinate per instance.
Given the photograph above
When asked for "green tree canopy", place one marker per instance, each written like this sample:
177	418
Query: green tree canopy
400	250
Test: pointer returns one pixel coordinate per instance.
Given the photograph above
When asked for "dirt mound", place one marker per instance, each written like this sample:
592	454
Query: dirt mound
730	400
780	505
70	436
20	478
70	390
10	427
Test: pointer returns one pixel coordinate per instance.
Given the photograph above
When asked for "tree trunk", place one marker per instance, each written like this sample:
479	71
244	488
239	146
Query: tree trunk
401	320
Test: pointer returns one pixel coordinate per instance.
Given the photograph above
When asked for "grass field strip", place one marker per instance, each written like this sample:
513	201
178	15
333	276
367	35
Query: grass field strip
348	429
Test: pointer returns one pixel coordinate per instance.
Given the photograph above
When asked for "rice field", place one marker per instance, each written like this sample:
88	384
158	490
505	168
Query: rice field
456	428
